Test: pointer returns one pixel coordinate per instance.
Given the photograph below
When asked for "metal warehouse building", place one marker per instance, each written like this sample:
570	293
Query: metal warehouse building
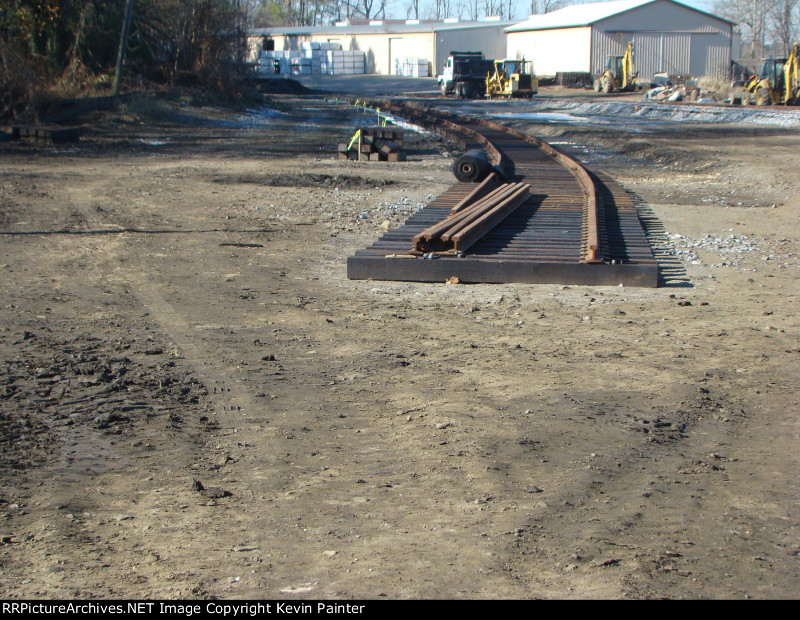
668	37
384	43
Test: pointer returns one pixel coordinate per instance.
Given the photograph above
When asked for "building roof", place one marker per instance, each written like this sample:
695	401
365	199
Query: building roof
587	14
384	27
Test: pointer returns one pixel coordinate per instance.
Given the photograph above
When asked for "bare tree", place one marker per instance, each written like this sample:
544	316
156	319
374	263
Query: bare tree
538	7
784	22
367	9
413	9
492	7
440	9
510	7
751	15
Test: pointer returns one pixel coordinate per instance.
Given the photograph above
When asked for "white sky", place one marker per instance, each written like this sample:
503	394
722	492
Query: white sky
396	8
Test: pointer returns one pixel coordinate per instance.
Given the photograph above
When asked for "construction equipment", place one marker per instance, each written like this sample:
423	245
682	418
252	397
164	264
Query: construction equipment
777	81
619	74
464	74
510	79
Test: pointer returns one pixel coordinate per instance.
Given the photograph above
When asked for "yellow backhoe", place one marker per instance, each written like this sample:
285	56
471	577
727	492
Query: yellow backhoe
619	74
777	81
510	79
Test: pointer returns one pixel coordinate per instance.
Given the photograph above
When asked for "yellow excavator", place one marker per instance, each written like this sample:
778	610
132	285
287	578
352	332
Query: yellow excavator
510	79
777	81
619	74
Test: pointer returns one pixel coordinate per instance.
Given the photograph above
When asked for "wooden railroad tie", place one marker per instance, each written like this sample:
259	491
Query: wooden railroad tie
54	135
374	144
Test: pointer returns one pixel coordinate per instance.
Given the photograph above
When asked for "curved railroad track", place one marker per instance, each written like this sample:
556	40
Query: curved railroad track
575	227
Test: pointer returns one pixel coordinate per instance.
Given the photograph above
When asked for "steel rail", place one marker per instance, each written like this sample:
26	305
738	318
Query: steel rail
591	250
481	190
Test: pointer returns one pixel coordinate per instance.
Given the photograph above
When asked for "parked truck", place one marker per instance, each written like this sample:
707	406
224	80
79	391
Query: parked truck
464	75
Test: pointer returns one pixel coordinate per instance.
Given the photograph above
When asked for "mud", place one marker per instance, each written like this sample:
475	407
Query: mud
197	403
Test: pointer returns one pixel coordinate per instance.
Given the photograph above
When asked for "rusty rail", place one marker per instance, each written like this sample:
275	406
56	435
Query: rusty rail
456	125
592	250
480	190
460	230
466	236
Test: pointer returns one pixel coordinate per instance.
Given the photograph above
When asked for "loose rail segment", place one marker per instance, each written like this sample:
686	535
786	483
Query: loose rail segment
459	231
569	226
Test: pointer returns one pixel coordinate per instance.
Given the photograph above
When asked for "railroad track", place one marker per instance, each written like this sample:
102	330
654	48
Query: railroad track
574	227
625	98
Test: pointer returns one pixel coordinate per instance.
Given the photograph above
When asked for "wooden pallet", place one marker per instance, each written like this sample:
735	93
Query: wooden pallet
38	133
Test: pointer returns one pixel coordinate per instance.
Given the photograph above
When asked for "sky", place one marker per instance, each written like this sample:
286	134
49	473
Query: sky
703	5
396	8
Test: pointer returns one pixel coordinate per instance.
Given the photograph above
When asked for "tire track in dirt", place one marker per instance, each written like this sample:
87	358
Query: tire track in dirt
387	438
317	439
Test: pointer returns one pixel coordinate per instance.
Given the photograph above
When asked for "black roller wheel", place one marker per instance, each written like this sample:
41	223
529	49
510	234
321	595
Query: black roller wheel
467	169
472	166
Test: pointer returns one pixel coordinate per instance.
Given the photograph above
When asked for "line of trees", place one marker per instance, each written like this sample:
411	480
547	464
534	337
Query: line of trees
768	27
324	12
70	46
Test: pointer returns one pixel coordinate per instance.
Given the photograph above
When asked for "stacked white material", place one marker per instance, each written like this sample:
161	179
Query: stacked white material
320	45
300	65
273	54
317	53
412	67
267	60
346	62
314	57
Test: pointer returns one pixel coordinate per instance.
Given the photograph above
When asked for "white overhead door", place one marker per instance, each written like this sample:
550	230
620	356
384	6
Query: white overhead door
396	55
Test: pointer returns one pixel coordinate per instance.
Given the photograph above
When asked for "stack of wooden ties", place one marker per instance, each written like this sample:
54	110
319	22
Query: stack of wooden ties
374	144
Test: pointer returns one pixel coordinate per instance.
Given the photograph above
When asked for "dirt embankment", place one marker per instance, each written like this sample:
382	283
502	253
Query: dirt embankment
196	402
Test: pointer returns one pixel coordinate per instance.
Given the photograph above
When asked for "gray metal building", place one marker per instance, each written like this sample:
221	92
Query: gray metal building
668	37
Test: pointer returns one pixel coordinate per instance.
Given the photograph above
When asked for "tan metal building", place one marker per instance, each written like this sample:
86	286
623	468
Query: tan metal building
384	43
668	37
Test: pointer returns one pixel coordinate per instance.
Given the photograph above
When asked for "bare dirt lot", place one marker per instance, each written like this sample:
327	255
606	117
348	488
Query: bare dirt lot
196	402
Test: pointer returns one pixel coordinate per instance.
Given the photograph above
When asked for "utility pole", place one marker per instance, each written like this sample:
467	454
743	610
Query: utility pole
123	44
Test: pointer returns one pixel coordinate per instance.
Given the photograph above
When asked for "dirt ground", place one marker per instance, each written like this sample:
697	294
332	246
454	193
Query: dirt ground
197	403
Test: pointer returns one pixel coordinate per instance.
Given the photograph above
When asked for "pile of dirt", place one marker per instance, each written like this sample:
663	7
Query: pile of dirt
283	86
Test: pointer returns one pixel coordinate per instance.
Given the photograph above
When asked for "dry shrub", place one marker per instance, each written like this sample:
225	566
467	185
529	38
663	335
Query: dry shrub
720	87
21	89
146	107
